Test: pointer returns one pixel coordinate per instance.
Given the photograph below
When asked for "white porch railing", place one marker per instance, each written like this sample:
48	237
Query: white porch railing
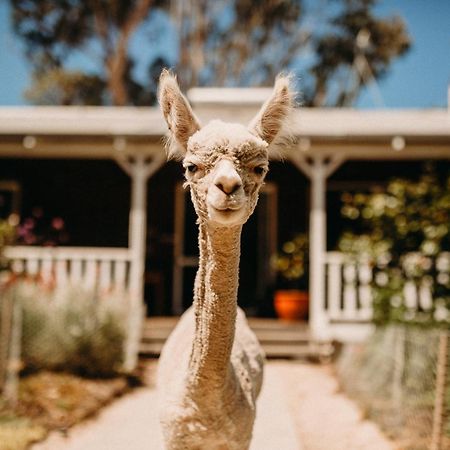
348	308
104	268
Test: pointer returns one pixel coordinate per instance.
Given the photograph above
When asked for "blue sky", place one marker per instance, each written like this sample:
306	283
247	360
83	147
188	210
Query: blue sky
418	80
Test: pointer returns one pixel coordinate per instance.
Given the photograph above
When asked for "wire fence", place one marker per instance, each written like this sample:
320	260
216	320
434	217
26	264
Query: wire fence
10	338
83	332
401	379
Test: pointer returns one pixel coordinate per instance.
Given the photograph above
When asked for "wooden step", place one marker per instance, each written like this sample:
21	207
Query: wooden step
153	349
161	334
279	339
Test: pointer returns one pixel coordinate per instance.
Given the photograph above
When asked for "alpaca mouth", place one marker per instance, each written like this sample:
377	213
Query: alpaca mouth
226	214
227	209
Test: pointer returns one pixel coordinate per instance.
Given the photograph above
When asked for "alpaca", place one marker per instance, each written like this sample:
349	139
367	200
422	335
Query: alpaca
210	369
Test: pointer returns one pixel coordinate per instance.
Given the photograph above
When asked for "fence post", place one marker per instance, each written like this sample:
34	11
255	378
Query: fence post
15	352
399	366
440	393
6	314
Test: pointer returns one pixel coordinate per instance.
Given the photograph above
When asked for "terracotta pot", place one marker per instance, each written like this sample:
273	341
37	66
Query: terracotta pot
291	304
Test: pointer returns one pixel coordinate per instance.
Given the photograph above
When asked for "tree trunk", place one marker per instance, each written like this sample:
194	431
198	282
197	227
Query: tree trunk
117	64
117	58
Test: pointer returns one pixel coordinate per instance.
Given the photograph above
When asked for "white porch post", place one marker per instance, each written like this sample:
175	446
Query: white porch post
137	234
317	249
140	168
317	169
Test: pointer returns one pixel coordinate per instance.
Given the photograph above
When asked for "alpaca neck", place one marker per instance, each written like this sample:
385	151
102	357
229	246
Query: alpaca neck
215	304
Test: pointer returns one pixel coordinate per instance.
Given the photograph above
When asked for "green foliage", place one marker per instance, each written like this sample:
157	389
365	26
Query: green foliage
404	229
99	31
64	87
292	261
72	330
356	39
7	236
7	233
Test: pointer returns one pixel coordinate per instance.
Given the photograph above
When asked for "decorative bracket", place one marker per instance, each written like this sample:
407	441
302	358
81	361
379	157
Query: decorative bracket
311	166
140	165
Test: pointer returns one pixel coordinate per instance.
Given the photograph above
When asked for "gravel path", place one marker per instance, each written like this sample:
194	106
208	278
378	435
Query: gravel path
300	408
325	419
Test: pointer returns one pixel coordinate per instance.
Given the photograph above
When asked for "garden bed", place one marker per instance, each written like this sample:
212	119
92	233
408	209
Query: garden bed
54	401
393	377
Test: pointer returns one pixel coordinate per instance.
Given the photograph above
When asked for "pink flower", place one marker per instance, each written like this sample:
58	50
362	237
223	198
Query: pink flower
58	223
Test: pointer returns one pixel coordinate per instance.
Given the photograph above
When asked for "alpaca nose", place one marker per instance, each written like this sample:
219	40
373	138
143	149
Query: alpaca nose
227	179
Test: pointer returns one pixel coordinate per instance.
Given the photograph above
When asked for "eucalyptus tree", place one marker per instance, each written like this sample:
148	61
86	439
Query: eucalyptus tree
112	51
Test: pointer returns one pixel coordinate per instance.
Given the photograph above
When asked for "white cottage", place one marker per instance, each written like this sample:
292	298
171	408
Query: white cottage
132	138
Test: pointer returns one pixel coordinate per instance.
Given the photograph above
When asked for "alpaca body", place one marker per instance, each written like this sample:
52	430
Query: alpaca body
210	370
212	404
218	419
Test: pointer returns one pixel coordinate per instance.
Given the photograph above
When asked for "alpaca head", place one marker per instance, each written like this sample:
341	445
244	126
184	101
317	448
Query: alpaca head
225	163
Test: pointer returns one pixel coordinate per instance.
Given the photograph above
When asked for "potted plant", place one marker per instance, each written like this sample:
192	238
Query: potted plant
291	263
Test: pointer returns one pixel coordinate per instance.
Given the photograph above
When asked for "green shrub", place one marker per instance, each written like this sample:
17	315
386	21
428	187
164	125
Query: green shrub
7	235
404	230
291	263
73	330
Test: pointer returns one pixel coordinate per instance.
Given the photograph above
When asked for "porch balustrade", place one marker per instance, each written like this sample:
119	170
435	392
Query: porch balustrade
347	310
89	267
348	305
348	289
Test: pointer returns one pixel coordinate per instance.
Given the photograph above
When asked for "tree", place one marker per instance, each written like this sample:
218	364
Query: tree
358	50
352	47
237	42
336	48
53	30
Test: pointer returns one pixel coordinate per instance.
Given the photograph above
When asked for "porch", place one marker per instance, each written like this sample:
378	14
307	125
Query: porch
279	339
345	314
341	303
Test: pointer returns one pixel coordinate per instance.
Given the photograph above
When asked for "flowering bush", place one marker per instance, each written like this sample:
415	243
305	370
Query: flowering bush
404	229
41	230
292	261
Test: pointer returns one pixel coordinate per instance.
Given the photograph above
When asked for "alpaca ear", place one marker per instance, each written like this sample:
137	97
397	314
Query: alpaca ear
178	113
274	114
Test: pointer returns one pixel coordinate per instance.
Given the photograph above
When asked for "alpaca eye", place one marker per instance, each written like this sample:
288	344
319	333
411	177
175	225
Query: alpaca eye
259	170
191	168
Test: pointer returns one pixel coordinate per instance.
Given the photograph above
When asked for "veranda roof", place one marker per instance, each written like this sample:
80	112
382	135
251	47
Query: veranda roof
101	132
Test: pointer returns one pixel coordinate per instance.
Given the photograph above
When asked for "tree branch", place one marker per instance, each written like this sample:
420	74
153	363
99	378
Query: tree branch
117	60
